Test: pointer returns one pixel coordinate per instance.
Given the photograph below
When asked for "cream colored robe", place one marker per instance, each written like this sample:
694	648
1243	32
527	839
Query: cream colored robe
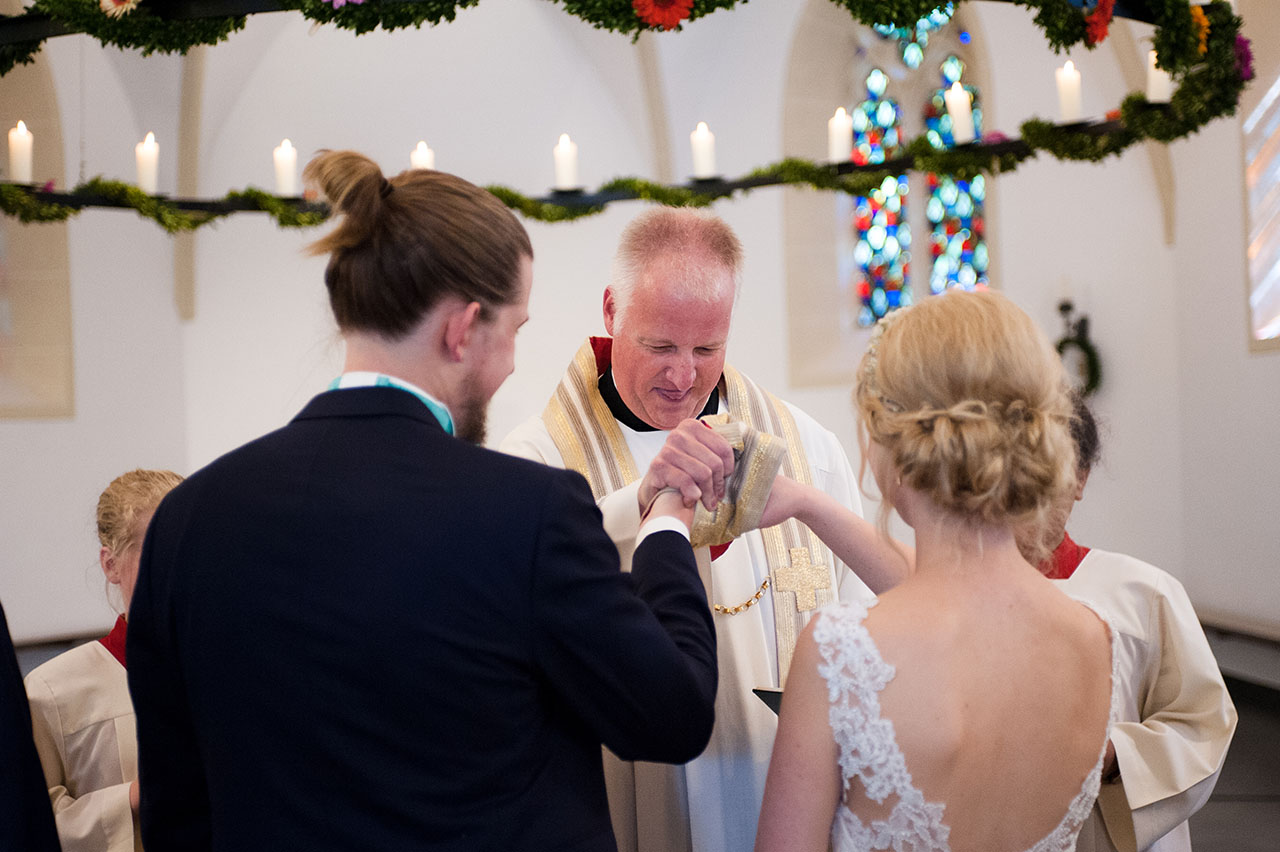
83	724
713	802
1176	717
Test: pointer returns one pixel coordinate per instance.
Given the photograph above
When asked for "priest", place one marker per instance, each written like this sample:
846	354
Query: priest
617	413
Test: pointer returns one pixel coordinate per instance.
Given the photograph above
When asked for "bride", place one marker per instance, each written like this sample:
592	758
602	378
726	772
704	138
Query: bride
967	709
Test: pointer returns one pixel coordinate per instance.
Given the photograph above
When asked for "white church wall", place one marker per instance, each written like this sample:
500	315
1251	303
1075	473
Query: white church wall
128	373
1230	398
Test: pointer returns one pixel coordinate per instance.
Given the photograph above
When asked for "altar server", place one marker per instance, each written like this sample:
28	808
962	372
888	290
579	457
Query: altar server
1177	717
81	715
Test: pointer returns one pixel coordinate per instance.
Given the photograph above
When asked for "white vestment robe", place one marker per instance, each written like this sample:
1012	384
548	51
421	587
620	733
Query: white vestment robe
1176	717
83	724
712	803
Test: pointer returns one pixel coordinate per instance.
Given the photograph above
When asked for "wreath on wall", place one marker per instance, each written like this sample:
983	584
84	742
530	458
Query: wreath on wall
1201	47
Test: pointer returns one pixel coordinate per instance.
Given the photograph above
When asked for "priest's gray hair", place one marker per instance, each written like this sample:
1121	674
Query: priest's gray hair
700	245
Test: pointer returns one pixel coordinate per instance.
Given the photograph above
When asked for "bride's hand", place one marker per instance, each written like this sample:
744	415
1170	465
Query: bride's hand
786	500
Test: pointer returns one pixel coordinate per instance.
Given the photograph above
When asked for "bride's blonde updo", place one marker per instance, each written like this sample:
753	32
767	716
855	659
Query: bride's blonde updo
969	400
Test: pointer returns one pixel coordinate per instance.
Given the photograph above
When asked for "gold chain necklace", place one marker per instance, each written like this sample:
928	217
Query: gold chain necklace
745	605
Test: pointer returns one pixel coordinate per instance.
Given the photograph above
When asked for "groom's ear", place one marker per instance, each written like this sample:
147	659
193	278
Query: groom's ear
459	330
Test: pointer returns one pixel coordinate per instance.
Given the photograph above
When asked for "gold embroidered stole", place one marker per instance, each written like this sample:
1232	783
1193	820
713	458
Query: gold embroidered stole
590	442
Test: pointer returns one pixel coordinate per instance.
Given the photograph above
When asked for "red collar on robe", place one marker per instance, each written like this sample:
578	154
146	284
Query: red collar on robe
1064	561
602	348
114	641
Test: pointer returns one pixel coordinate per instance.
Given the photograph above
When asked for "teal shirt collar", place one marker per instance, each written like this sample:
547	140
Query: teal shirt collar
362	379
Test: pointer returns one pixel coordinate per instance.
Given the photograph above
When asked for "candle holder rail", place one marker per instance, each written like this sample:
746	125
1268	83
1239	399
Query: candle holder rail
41	203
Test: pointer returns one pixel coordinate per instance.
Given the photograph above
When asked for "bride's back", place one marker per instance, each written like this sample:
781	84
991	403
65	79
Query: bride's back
999	705
1000	697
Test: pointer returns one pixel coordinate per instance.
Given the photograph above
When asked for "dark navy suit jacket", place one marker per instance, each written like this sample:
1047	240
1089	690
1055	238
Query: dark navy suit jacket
360	633
26	816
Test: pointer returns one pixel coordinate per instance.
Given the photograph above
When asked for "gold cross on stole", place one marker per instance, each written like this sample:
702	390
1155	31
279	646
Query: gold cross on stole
802	577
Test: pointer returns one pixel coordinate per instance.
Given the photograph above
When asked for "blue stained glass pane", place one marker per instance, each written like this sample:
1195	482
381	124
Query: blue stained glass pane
935	139
980	257
889	186
965	38
860	121
935	210
894	297
879	302
912	55
978	187
886	114
876	237
877	83
892	249
967	277
952	69
862	254
865	317
904	235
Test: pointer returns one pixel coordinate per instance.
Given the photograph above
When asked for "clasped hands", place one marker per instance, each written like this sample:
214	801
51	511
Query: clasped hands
716	475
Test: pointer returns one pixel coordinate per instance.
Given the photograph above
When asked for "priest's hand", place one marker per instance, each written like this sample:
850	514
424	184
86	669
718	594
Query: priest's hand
695	461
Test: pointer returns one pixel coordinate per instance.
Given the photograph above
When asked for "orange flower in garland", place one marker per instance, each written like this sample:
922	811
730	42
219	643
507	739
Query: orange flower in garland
1201	20
1097	22
666	14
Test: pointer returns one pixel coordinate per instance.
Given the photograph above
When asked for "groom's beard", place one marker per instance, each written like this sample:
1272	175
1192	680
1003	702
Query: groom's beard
471	419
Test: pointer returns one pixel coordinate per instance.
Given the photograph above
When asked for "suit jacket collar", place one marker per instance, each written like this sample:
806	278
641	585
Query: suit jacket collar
369	402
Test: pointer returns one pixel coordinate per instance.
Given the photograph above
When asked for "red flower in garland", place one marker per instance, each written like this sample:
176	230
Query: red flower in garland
1097	22
666	14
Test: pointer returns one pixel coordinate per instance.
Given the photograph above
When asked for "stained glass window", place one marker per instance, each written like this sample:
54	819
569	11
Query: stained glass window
879	236
903	100
955	209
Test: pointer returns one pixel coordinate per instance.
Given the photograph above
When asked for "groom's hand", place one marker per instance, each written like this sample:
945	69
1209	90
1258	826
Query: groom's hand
695	461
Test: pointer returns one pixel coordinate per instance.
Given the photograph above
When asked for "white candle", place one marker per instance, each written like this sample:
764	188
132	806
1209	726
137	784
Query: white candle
839	136
20	142
960	108
1068	92
703	142
1159	83
147	155
286	160
422	157
566	157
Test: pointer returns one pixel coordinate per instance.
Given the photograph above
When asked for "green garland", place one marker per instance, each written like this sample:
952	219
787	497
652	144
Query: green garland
18	201
140	29
21	202
18	53
1209	86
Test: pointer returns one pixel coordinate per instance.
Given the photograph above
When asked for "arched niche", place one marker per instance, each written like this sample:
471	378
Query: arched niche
36	367
831	54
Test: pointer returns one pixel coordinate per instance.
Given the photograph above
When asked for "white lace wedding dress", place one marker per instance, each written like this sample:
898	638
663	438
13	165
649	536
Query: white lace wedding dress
855	674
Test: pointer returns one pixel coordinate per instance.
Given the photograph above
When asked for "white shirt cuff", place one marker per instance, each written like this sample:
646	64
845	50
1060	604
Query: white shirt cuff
659	523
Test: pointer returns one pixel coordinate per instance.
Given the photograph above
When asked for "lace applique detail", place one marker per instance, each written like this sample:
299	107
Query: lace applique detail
855	674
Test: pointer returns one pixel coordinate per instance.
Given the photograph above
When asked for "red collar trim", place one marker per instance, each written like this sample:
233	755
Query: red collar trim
602	348
114	641
1066	559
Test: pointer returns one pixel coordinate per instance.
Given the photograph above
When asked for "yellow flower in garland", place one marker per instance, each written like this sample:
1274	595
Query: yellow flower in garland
116	8
1201	21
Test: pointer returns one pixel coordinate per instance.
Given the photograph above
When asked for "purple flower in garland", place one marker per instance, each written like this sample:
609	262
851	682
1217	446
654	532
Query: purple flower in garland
338	4
1244	58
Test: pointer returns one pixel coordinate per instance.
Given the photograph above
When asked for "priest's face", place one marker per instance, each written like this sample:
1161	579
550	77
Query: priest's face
668	349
